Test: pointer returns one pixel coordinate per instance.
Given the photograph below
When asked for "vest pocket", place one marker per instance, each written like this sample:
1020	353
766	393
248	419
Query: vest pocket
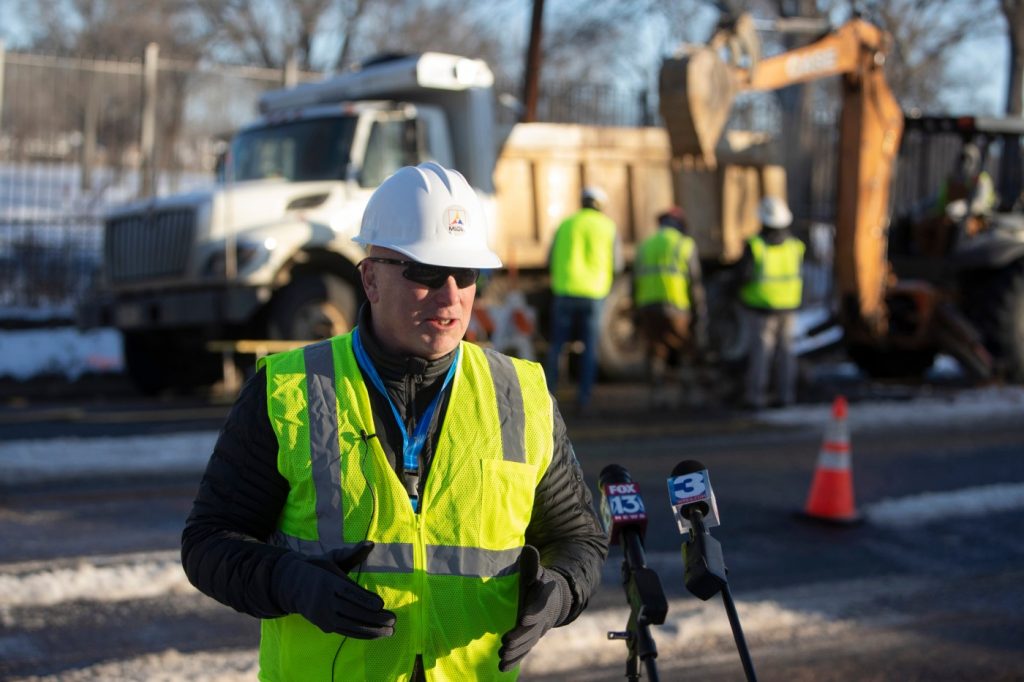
506	502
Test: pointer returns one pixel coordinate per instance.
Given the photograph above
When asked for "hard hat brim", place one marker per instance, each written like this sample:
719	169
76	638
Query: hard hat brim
435	254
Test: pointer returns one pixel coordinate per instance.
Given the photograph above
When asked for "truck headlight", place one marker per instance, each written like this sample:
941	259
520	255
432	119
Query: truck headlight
248	254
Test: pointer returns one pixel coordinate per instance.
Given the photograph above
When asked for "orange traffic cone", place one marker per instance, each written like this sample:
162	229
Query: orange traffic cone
831	495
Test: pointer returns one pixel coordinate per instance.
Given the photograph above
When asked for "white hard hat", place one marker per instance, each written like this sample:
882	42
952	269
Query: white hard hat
594	194
774	213
430	214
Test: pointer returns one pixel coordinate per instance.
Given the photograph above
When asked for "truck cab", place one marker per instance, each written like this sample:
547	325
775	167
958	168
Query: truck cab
267	251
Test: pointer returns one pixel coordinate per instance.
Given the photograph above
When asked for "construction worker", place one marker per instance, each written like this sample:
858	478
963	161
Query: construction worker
671	313
585	256
969	183
771	292
396	503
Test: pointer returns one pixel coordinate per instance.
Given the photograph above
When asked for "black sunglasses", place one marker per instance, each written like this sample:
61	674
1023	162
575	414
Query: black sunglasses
432	276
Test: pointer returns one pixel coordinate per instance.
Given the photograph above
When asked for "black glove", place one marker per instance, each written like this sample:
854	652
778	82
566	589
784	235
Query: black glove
319	588
544	601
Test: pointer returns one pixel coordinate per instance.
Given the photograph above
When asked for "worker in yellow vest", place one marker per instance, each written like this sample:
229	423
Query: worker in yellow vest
671	312
396	503
771	292
585	256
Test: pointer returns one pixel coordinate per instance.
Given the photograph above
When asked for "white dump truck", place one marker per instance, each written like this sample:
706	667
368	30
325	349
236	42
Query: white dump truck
267	252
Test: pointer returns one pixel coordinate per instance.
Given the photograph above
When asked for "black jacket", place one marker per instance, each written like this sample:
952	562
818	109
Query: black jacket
223	545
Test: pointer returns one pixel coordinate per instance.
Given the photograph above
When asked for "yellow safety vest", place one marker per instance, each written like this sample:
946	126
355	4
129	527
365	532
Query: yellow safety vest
663	269
449	573
583	255
777	284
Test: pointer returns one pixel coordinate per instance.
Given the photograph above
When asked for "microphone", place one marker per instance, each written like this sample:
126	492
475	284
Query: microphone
705	574
689	489
621	504
625	520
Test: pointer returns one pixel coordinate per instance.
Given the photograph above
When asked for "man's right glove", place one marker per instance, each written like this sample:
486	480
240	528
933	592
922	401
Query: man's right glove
318	587
544	602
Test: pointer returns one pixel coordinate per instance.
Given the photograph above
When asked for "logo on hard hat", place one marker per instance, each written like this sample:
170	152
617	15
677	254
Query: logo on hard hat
456	220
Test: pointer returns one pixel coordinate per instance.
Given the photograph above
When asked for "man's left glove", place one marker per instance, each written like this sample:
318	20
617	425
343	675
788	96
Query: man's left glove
544	602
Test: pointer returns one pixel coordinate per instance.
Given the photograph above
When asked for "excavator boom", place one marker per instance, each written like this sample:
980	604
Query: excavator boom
697	90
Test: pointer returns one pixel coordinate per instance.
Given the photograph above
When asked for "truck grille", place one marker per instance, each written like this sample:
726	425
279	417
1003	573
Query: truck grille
148	245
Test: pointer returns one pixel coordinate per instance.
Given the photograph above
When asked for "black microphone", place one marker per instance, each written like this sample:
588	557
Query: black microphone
625	520
622	508
695	508
689	489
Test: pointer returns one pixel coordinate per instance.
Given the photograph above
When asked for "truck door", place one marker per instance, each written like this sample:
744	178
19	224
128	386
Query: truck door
393	142
405	137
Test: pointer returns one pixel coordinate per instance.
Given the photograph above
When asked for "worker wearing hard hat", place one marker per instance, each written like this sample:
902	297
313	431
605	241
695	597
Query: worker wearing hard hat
394	502
671	313
772	289
969	191
585	256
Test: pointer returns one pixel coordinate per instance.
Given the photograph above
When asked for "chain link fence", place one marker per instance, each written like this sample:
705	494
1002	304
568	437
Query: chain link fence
78	136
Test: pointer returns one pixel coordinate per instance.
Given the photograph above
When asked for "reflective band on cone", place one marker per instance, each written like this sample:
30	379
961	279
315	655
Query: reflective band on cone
831	495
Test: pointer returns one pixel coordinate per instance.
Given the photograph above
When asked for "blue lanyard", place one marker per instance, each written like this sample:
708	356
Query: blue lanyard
412	444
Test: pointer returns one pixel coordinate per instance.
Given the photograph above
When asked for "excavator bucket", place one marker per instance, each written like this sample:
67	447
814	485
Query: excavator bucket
696	92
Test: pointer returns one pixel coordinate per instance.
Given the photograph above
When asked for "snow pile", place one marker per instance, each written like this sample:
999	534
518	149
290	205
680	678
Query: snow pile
117	579
70	458
59	351
965	407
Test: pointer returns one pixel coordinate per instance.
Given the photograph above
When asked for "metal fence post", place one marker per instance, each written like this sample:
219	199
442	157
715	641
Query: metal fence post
3	54
147	141
291	72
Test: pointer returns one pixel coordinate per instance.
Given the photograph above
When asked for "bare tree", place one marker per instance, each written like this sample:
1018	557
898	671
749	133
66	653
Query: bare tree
925	33
265	33
113	28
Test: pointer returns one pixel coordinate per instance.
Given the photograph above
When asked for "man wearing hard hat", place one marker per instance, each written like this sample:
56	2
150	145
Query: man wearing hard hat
585	255
772	289
395	503
670	307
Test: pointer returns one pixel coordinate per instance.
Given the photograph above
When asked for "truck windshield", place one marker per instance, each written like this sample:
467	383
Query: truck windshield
312	149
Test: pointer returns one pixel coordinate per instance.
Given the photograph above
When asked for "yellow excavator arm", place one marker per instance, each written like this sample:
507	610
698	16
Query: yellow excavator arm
697	90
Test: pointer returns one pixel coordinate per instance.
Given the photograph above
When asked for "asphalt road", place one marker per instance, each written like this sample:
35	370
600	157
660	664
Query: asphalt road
933	600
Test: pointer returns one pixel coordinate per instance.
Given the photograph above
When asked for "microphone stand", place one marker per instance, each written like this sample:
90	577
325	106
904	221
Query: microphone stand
648	606
706	576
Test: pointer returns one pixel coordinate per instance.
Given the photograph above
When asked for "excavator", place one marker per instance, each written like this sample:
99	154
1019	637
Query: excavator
894	321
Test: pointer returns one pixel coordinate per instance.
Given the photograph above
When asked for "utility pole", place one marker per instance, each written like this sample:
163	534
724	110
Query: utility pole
531	78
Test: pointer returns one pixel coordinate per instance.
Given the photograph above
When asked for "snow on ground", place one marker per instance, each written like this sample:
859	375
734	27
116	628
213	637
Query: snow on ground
125	577
61	351
965	407
54	459
693	630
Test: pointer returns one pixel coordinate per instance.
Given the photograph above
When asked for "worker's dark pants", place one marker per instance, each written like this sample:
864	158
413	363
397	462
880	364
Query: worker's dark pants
573	317
670	349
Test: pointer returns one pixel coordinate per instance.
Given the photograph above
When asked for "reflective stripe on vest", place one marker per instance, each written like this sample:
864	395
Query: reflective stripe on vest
450	572
583	255
663	270
777	284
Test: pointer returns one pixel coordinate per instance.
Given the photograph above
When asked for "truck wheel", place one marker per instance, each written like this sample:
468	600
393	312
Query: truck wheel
1011	328
158	361
620	355
313	307
891	363
728	332
144	364
997	308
